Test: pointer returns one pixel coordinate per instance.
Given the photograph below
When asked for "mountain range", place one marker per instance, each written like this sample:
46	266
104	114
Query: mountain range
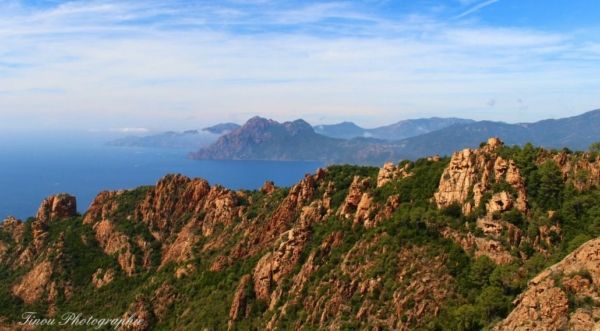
344	130
265	139
468	242
396	131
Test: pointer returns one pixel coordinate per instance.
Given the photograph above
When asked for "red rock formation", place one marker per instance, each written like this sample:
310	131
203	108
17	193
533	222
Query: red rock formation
356	191
57	207
545	304
240	299
102	277
166	203
273	266
268	187
581	170
103	207
114	242
390	172
470	173
32	287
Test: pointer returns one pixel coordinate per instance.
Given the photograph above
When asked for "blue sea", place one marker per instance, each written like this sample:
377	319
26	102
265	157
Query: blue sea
32	168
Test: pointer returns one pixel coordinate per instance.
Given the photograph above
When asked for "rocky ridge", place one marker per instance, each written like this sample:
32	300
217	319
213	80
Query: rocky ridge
346	247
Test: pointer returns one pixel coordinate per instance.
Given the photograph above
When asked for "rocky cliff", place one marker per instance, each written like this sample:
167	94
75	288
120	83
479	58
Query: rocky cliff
563	297
439	243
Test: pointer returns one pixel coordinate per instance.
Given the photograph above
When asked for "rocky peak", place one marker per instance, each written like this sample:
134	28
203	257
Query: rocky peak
493	143
258	122
171	198
390	172
357	190
103	206
472	172
298	127
56	207
268	187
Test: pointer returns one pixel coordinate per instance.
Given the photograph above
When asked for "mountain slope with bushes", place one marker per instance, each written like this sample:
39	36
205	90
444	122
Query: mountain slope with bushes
456	243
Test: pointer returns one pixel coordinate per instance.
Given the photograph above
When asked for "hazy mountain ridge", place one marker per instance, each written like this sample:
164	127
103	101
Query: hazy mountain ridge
263	139
577	132
269	140
189	139
399	130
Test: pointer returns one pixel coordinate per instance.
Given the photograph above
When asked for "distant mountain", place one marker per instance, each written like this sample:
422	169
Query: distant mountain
221	128
191	139
343	130
396	131
576	132
414	127
266	139
263	139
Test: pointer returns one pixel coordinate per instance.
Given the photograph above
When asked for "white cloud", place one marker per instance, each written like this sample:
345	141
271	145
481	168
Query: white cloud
130	64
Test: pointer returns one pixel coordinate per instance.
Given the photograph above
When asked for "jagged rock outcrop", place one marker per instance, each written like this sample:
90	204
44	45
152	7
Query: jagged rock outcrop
181	249
273	266
57	207
52	208
482	246
548	304
240	300
263	235
102	207
466	180
33	285
268	187
356	191
14	227
147	310
581	170
424	287
102	277
472	172
171	198
113	241
390	172
499	202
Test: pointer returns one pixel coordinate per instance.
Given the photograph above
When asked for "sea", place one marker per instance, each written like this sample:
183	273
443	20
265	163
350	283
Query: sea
33	167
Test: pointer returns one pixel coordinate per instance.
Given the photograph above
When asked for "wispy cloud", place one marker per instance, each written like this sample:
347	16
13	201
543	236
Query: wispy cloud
159	64
476	7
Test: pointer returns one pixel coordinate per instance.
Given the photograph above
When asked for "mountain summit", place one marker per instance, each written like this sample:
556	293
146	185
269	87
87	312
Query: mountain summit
265	139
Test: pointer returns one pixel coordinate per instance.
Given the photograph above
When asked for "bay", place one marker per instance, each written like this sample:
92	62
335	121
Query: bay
31	169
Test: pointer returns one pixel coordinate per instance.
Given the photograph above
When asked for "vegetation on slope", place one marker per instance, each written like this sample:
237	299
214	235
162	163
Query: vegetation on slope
347	275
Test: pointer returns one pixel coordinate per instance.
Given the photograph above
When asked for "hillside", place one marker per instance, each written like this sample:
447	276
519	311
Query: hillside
436	244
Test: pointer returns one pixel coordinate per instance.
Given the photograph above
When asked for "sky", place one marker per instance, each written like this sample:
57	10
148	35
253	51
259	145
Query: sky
133	66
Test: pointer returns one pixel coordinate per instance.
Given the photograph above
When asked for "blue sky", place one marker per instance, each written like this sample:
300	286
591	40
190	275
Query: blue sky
136	65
